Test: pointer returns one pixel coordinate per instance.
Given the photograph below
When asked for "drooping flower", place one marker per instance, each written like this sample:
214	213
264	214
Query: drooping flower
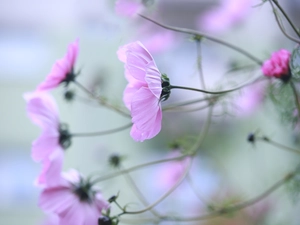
128	8
278	65
63	69
73	200
224	16
48	148
144	91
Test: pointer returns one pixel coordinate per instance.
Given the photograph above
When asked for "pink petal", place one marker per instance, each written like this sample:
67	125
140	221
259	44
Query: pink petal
42	109
52	166
130	91
61	68
144	109
45	145
74	214
153	78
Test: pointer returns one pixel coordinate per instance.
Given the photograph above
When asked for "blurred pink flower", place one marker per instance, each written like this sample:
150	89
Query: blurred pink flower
171	172
73	200
48	148
143	92
222	17
278	65
251	98
159	41
128	8
63	69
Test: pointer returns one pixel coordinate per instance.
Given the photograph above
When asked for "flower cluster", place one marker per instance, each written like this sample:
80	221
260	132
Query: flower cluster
67	197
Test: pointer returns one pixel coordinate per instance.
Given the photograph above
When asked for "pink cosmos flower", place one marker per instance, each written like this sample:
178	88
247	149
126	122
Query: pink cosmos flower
63	69
278	65
227	14
144	90
73	200
128	8
48	148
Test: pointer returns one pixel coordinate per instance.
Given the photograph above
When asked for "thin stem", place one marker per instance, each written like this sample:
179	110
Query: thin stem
194	32
101	132
172	106
138	192
215	92
101	100
281	25
238	206
199	64
286	17
118	173
194	189
278	145
166	194
297	102
190	110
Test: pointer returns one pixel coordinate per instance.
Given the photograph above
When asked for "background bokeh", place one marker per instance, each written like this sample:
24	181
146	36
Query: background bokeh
34	34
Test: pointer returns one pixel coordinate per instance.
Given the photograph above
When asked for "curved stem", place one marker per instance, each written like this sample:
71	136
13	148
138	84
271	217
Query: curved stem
199	64
278	145
194	32
238	206
287	17
166	194
297	101
138	192
101	132
101	100
281	25
215	92
115	174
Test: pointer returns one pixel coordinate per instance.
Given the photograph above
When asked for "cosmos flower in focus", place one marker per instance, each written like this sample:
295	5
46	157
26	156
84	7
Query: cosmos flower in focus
63	69
73	200
278	65
144	91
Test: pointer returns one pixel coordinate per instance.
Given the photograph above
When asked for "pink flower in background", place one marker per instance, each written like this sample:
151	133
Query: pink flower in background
143	92
73	200
159	42
128	8
63	69
171	172
48	148
222	17
278	65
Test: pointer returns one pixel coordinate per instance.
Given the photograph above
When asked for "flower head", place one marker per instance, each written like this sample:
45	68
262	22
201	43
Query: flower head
144	91
48	148
73	200
63	69
278	65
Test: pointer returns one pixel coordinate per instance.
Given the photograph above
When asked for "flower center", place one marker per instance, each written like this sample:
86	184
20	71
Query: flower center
64	136
70	77
83	191
166	88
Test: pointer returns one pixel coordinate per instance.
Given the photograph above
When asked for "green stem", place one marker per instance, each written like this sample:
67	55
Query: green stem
101	132
287	17
194	32
278	145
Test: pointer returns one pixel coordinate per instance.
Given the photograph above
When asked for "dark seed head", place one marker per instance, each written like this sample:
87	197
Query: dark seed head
104	220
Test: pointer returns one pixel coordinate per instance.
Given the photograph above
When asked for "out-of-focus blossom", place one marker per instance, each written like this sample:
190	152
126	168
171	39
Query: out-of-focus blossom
52	219
171	172
73	200
251	98
143	93
48	148
159	42
224	16
128	8
63	69
278	65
